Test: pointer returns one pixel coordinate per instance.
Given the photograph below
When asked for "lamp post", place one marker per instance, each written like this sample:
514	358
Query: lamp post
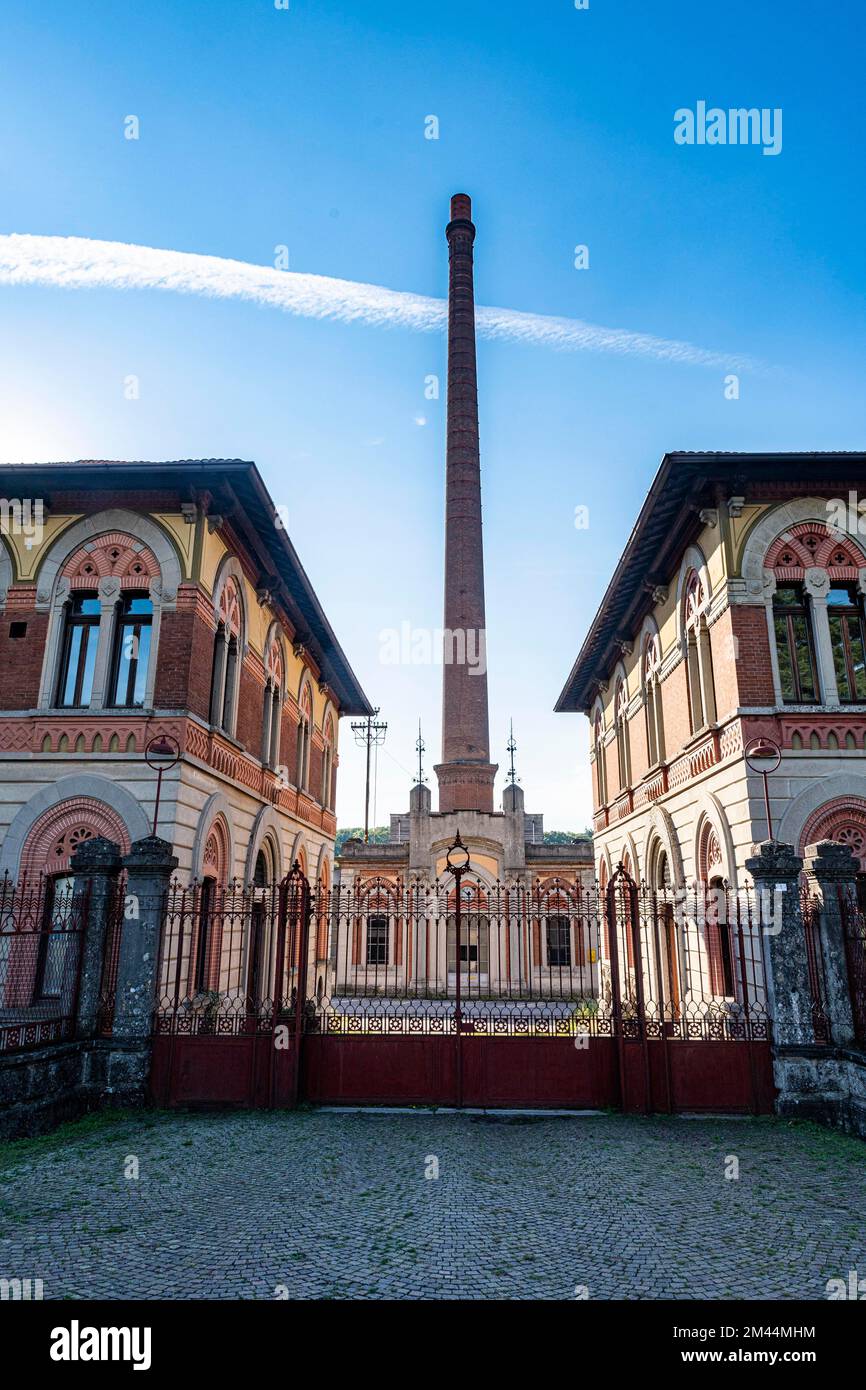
457	860
763	755
162	753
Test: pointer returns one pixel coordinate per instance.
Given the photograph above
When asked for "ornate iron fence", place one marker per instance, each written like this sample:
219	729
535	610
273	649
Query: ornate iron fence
229	958
42	924
557	959
854	926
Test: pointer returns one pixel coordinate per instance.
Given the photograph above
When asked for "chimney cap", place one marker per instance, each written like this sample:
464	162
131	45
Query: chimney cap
461	207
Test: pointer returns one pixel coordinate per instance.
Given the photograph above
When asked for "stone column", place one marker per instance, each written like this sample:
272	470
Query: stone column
832	867
775	870
149	866
109	595
816	583
96	865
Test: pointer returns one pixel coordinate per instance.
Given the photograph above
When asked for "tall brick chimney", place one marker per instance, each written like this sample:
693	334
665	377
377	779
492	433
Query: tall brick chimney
466	773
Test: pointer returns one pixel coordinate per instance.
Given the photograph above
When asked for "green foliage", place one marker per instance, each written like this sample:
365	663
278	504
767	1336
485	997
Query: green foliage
566	837
379	835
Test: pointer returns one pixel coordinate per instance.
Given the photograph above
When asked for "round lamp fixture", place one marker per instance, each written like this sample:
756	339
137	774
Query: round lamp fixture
763	755
162	752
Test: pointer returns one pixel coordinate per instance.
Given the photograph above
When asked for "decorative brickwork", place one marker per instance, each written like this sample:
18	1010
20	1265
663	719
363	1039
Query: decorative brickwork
61	830
115	554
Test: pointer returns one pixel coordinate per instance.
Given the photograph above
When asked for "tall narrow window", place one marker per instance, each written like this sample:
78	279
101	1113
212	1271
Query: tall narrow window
653	702
131	651
558	941
377	941
849	649
622	745
305	729
328	764
78	652
699	660
273	705
203	937
795	648
226	659
600	769
719	943
55	940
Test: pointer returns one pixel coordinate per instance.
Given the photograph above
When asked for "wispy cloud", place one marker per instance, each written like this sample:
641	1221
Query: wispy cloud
81	263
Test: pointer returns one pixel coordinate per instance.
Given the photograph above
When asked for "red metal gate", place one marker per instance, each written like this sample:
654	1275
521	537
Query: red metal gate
233	965
463	994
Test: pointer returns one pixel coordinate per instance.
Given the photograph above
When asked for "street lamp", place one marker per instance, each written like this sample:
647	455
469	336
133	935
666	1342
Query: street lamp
457	859
764	756
161	753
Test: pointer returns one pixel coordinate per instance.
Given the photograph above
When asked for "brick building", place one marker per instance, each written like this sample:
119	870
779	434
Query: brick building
163	599
735	612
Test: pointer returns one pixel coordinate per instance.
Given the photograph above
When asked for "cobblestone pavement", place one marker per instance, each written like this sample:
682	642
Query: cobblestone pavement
326	1205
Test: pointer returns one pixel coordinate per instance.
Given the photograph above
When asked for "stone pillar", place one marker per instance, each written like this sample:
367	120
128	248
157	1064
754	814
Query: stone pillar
96	865
775	870
515	830
419	829
832	867
149	866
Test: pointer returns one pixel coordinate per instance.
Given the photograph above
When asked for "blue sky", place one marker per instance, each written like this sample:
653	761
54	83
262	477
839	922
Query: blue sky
261	127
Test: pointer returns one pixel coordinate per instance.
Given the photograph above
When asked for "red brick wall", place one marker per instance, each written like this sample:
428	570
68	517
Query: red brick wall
248	725
315	787
675	710
289	746
637	743
611	768
725	665
21	659
753	668
184	663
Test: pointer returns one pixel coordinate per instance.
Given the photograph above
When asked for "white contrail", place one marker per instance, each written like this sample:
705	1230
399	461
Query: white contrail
81	263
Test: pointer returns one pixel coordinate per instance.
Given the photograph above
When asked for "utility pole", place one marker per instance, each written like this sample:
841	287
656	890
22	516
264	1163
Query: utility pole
368	732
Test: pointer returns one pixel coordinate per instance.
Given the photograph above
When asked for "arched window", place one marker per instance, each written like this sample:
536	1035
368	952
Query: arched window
816	616
600	768
720	947
305	734
660	879
226	658
105	624
623	753
272	706
328	765
699	662
655	735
